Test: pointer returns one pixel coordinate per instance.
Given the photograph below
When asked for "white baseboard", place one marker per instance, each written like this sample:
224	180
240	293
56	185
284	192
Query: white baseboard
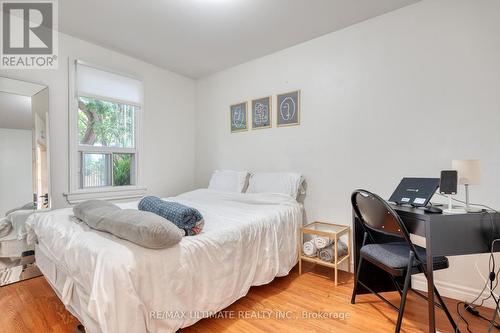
451	290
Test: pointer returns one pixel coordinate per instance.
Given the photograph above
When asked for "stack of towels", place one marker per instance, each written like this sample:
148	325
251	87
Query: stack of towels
322	247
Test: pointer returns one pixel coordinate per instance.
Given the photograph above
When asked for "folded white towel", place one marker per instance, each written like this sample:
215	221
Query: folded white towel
322	242
309	249
327	254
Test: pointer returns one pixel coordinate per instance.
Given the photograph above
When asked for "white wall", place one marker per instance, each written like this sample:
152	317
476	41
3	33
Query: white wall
16	180
168	164
398	95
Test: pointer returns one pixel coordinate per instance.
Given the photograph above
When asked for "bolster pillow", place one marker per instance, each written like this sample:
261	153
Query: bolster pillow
186	218
142	228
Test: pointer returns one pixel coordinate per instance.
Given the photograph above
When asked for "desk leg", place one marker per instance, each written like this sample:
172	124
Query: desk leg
299	250
430	287
335	247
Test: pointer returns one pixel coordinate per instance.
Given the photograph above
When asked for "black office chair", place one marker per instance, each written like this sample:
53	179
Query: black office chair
400	258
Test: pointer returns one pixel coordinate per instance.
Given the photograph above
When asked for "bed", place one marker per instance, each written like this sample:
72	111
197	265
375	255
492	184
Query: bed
112	285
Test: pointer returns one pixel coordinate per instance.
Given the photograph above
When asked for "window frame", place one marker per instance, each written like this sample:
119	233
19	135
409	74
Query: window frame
75	193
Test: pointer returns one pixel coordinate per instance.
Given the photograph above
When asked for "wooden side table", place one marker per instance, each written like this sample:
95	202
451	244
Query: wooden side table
332	231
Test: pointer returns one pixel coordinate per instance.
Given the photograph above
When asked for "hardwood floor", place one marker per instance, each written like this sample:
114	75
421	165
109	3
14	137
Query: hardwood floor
32	306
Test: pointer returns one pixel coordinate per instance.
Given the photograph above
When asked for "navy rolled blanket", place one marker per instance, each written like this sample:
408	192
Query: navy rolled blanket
186	218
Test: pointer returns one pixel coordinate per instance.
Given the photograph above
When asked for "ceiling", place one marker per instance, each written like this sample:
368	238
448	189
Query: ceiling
200	37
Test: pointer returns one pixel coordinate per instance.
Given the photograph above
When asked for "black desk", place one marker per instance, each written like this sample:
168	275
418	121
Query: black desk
445	235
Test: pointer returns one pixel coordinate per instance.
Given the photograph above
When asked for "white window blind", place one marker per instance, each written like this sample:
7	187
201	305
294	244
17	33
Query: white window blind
91	81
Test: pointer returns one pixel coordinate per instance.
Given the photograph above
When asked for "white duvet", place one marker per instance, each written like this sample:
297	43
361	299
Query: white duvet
248	239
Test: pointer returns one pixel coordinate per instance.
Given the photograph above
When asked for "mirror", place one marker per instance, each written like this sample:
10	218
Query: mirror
24	146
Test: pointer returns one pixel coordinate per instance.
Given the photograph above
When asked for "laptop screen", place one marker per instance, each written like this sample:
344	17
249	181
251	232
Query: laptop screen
415	191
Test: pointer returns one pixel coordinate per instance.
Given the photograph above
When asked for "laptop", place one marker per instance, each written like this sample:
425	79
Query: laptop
415	191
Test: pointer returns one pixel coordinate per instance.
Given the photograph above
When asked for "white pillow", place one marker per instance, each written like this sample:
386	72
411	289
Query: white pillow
275	182
228	181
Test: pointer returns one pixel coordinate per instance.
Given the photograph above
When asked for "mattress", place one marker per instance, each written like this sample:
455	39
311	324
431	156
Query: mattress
113	285
75	298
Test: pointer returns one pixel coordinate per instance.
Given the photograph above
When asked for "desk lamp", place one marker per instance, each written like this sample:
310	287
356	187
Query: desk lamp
469	173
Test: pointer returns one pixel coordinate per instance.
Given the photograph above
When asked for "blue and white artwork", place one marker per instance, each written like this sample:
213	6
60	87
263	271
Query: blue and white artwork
288	109
261	113
239	119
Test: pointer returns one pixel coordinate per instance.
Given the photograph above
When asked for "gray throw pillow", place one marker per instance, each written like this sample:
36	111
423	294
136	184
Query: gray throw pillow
142	228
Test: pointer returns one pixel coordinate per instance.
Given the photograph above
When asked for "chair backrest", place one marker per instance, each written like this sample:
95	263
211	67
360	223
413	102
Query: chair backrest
377	215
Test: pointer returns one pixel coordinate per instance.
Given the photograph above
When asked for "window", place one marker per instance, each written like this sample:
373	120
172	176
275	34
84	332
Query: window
104	135
106	142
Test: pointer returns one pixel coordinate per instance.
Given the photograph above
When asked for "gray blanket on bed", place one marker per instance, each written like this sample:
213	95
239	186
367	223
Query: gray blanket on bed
143	228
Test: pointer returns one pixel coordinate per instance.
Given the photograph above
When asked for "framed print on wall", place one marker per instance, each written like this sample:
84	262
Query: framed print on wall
261	113
288	109
239	117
